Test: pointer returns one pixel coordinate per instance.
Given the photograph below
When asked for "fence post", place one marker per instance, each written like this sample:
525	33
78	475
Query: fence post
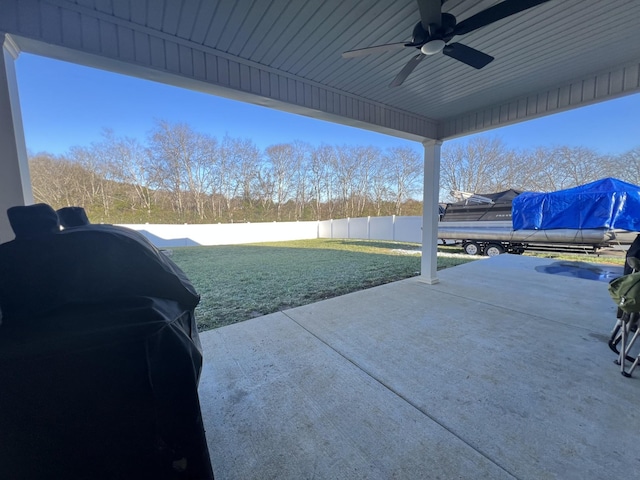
393	227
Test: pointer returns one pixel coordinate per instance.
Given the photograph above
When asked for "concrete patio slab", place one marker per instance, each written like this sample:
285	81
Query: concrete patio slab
498	371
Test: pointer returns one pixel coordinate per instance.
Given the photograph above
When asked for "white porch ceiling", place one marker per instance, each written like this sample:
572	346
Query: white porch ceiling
287	54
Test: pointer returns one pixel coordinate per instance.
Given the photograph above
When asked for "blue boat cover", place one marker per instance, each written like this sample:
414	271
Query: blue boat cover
608	203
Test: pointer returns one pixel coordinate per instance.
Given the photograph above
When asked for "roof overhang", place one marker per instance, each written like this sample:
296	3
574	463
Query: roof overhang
287	55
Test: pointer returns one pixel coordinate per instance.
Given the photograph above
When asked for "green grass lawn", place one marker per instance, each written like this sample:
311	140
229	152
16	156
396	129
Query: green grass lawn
239	282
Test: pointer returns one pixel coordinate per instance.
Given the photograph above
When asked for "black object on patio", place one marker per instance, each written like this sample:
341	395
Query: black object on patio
99	357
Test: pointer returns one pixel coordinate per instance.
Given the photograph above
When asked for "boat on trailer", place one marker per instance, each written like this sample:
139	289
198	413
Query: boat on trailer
484	223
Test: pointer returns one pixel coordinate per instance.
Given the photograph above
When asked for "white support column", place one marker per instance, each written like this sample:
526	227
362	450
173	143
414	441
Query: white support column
430	197
15	181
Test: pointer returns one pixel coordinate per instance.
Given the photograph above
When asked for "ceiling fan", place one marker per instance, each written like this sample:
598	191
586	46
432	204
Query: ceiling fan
435	29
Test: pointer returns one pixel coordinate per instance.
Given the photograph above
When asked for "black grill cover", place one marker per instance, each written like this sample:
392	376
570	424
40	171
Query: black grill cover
99	360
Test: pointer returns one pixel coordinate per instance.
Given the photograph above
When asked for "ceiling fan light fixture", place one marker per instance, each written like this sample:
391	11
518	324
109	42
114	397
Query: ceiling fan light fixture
432	47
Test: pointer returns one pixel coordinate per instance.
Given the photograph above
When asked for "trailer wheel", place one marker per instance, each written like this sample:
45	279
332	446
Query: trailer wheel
493	250
471	248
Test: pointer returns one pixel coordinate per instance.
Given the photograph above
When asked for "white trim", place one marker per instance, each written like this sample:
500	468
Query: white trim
11	46
15	181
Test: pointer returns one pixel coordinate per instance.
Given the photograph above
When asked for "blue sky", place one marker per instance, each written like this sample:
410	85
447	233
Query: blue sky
65	105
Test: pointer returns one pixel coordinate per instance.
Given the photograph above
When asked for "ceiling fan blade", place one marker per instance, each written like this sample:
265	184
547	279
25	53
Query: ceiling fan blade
468	55
407	69
493	14
430	13
375	49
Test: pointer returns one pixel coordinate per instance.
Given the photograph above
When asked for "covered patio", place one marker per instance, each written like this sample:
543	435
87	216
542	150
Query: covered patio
501	370
446	69
489	370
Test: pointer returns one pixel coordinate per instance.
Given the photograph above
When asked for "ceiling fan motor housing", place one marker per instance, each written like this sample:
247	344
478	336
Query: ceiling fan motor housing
444	31
420	36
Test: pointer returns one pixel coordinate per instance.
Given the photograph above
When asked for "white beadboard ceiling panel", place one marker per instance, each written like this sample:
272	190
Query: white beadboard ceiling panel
289	51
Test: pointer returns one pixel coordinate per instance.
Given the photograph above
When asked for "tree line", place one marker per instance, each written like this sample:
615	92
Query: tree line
179	175
485	165
182	176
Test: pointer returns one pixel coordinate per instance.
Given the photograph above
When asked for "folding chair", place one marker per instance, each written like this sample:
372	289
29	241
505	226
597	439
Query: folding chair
626	325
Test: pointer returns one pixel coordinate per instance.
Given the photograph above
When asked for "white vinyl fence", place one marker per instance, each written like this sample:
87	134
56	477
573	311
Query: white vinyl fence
400	229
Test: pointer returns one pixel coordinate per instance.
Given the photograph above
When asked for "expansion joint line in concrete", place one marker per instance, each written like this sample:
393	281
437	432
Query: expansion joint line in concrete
402	397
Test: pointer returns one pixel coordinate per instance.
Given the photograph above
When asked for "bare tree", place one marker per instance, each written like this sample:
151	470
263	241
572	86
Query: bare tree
351	167
128	164
58	181
236	177
578	165
473	167
248	160
283	164
97	187
380	187
364	158
321	180
551	169
301	179
405	172
227	182
265	188
184	161
627	166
